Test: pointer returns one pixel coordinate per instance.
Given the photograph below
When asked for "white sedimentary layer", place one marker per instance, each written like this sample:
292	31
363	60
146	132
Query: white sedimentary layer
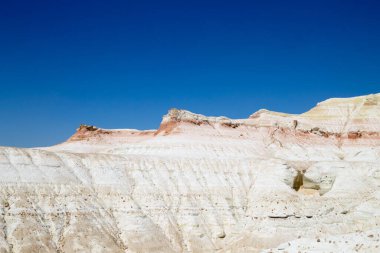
202	184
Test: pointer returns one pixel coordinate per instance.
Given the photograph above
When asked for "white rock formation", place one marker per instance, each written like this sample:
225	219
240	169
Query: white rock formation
273	182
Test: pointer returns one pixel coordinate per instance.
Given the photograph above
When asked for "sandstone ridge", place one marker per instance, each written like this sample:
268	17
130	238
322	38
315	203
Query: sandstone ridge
338	118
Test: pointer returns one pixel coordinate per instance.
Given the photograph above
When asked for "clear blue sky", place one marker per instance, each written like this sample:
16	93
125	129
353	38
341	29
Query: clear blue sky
123	64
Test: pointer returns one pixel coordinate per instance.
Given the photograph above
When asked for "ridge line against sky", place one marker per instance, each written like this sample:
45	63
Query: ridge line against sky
123	64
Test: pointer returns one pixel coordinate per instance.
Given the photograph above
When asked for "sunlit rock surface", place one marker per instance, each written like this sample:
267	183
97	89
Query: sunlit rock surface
273	182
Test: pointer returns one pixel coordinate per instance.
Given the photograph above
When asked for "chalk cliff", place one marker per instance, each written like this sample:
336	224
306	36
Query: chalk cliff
272	182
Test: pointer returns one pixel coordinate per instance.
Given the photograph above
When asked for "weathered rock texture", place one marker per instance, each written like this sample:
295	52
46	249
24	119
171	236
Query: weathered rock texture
273	182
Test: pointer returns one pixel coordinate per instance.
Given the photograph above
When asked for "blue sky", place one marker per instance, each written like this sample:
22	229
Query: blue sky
123	64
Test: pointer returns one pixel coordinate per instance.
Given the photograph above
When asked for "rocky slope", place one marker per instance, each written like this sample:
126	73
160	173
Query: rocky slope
273	182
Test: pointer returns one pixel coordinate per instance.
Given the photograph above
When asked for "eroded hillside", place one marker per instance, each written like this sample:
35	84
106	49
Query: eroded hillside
273	182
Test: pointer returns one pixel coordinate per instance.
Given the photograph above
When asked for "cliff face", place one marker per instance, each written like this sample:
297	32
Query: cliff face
271	182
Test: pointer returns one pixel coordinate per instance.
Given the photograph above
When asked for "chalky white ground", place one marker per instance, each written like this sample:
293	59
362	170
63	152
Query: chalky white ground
202	184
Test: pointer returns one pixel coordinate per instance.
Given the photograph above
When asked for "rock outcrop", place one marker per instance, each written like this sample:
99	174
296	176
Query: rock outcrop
273	182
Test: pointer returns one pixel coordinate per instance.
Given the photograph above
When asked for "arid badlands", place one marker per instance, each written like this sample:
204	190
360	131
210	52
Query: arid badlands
272	182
